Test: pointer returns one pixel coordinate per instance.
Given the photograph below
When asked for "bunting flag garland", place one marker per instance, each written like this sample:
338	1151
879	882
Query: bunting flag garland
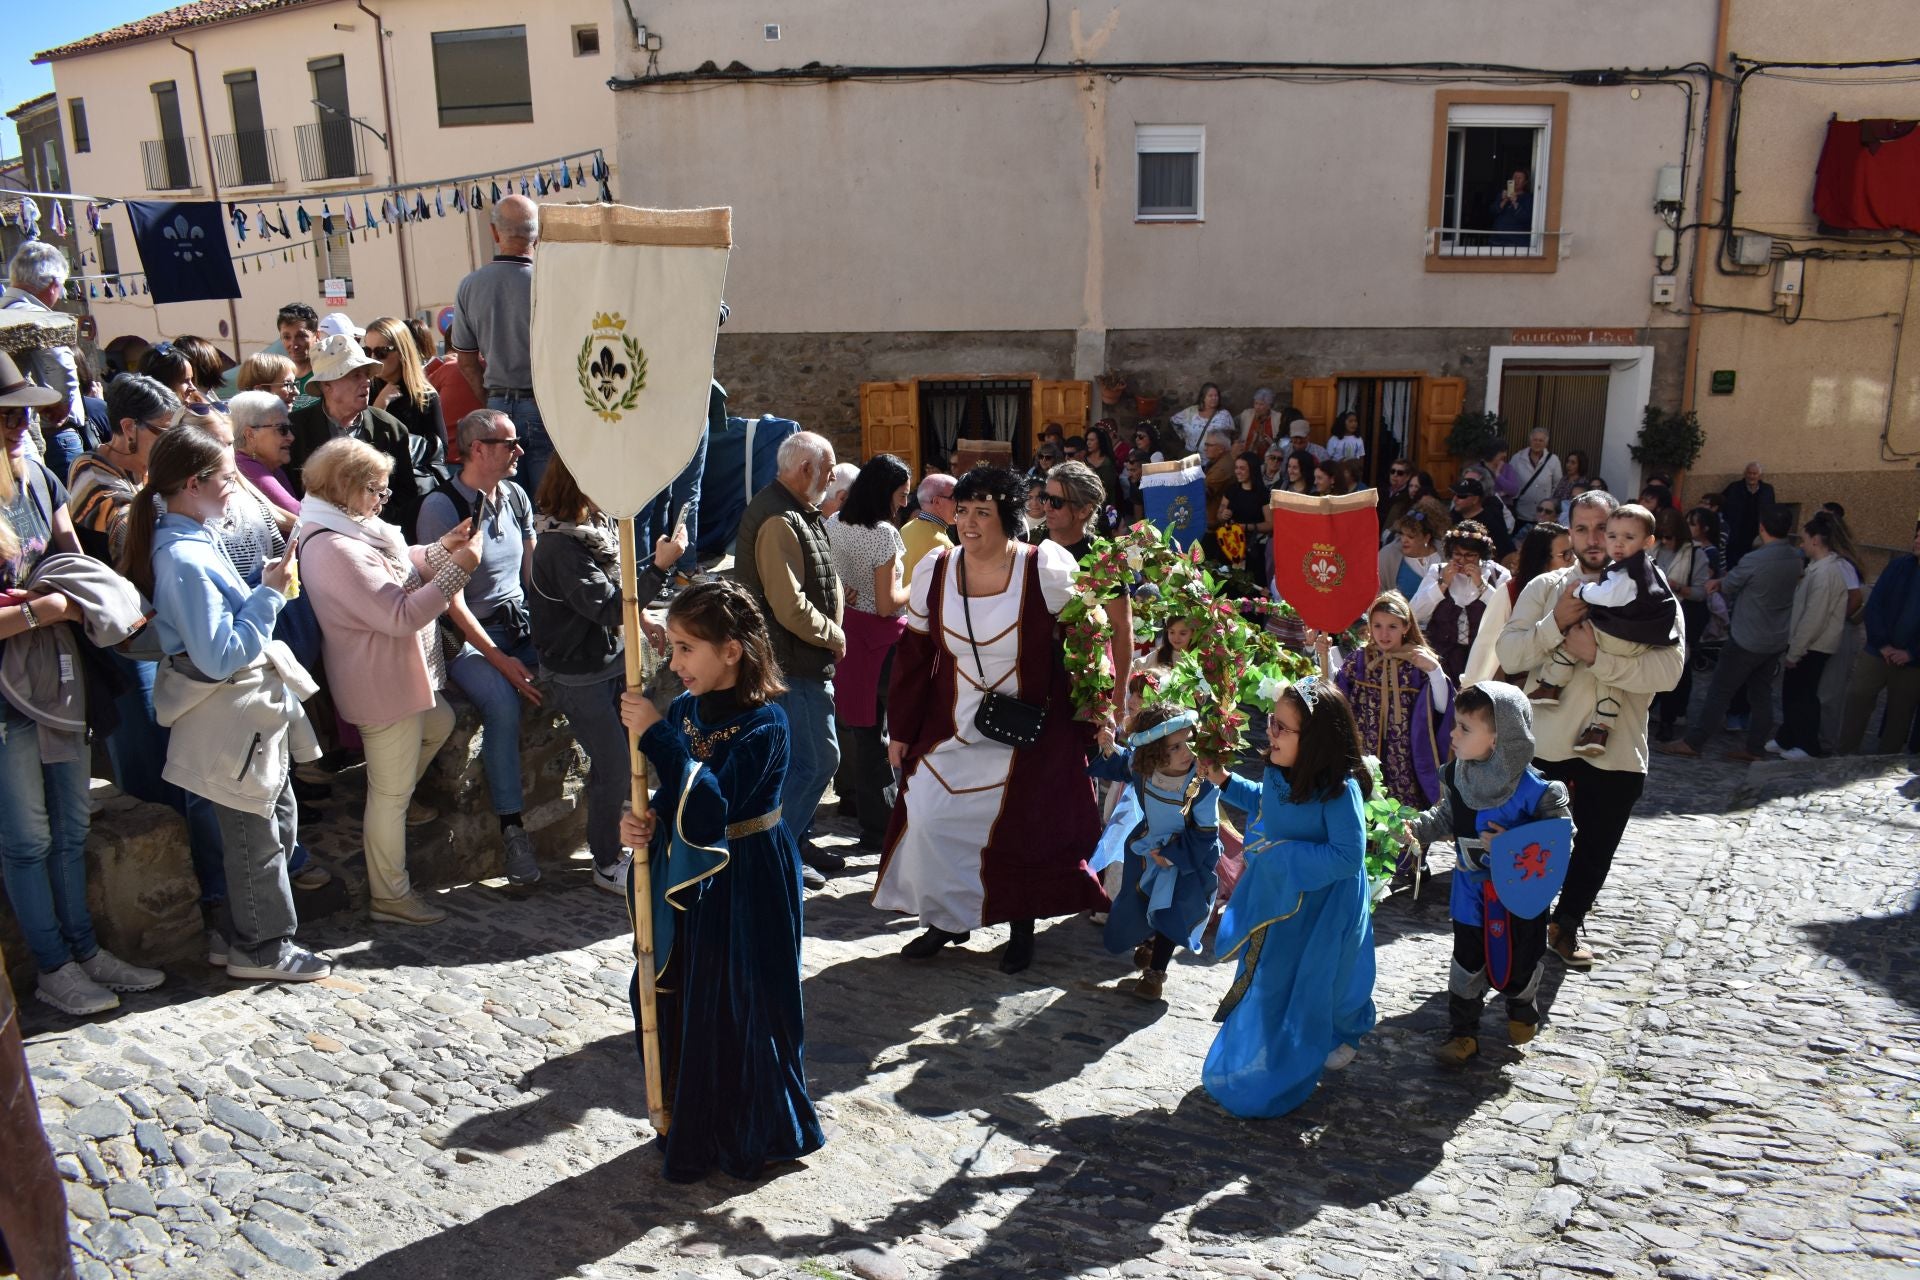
400	203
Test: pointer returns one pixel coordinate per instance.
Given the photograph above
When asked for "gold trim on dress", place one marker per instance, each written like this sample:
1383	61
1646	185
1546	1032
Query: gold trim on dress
754	826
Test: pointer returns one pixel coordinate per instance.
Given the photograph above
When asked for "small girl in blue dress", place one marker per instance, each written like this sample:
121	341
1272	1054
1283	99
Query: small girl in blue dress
1166	892
1298	919
727	897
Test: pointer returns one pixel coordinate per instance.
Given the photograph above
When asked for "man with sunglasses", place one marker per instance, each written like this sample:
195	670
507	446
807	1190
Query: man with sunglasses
495	667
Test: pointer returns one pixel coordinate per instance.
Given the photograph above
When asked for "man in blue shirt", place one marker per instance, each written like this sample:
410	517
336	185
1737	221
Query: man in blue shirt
494	669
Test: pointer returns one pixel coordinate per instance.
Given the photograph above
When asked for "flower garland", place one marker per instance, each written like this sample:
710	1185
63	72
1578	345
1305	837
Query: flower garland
1233	659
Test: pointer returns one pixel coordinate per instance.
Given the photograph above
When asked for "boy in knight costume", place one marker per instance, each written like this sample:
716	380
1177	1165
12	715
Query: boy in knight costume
1490	787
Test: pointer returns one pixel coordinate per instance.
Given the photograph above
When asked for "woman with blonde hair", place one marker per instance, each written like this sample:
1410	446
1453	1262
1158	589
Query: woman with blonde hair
270	371
377	600
400	385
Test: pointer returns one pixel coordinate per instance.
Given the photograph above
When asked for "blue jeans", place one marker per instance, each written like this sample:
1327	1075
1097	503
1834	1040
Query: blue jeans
138	750
63	446
43	845
813	751
498	702
594	712
532	430
677	502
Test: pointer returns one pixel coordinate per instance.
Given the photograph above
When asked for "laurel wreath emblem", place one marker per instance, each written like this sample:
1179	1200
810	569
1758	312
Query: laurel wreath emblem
597	378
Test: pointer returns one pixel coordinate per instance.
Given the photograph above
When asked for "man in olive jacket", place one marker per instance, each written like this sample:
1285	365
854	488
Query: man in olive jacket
342	381
782	556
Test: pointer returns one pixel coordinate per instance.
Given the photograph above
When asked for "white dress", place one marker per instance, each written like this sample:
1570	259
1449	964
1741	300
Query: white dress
954	792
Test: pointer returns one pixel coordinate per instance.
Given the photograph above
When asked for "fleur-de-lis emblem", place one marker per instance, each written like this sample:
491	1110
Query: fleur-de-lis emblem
186	238
1325	568
612	368
608	373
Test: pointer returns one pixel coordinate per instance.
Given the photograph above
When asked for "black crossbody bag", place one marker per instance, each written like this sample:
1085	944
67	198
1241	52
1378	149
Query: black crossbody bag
1002	718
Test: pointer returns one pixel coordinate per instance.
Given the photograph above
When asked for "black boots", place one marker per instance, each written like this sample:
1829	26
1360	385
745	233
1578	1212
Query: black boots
1019	952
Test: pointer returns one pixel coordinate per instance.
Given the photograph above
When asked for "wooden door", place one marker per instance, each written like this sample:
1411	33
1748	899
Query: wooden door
1065	404
1315	398
890	422
1441	400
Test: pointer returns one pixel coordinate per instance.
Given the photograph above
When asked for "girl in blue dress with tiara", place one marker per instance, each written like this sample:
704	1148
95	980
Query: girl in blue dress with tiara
726	886
1298	921
1166	891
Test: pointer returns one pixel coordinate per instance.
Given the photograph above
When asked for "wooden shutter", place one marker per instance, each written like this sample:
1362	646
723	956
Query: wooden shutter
890	422
1065	404
1441	400
1314	398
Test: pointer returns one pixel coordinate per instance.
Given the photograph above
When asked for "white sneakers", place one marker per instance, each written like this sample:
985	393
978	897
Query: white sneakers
85	987
1342	1055
613	879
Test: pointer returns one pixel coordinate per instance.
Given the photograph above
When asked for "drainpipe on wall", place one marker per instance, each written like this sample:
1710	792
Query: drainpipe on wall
1716	104
213	176
393	155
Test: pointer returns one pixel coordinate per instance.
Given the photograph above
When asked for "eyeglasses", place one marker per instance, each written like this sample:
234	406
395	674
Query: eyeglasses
378	353
380	490
512	442
1054	500
1396	471
283	428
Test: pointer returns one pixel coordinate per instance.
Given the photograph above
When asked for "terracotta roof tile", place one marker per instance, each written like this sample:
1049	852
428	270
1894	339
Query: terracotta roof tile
199	13
29	105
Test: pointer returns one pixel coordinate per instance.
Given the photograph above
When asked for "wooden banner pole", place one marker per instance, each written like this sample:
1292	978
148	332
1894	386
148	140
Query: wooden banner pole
642	870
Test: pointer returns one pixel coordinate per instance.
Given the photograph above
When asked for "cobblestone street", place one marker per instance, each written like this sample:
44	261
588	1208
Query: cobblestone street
1733	1091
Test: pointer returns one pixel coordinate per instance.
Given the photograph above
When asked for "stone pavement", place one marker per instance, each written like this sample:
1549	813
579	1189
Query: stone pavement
1735	1091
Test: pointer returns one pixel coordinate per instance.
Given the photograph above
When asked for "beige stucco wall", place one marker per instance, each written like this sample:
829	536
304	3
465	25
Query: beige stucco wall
951	205
572	111
1818	400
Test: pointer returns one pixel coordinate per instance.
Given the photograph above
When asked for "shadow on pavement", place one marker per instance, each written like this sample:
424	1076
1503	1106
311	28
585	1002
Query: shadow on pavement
1884	950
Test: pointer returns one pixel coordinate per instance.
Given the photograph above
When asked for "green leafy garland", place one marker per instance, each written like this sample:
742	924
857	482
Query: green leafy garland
1233	660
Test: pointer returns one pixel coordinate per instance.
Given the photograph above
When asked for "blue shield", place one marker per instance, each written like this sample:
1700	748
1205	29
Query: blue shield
1529	864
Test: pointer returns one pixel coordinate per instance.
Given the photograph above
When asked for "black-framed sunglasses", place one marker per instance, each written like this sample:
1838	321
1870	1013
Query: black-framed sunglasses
1054	500
512	442
378	353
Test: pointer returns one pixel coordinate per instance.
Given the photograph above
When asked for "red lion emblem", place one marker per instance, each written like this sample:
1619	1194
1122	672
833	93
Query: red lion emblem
1531	862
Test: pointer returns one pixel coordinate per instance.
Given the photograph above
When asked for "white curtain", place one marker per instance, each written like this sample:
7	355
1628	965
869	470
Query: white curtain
1003	408
949	411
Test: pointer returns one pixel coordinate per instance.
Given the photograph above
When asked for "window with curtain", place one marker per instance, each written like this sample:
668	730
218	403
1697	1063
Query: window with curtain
1168	167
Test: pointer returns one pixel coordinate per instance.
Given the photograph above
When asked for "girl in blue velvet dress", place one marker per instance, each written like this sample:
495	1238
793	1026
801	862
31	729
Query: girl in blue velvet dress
1171	844
726	886
1298	919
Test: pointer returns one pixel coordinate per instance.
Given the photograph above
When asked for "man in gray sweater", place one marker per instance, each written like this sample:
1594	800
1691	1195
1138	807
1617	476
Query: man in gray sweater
1759	590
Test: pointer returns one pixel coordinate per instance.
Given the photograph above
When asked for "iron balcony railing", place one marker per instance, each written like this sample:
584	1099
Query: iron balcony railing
169	163
330	149
247	159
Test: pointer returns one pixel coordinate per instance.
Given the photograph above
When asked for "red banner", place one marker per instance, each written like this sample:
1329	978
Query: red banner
1326	556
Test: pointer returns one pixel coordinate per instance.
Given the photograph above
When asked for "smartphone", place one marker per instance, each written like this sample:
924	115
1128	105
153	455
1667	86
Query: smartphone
1509	188
479	513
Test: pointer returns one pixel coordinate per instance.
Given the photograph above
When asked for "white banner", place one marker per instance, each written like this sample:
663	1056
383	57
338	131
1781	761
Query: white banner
626	309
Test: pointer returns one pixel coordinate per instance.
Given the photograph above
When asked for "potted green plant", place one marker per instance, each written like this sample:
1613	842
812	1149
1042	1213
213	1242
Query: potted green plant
1113	385
1472	434
1669	442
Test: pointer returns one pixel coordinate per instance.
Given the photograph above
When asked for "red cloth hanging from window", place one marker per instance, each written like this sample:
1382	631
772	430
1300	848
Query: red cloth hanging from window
1869	176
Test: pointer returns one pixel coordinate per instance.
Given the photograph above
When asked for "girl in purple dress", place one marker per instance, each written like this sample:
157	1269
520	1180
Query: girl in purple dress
1402	700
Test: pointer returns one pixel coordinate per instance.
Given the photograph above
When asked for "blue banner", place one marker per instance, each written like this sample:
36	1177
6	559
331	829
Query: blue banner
1177	501
183	249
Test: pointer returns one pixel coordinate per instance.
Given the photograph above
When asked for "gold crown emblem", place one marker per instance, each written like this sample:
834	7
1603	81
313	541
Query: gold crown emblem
605	320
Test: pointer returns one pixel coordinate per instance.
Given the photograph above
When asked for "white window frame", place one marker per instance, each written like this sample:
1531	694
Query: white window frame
1498	115
1177	139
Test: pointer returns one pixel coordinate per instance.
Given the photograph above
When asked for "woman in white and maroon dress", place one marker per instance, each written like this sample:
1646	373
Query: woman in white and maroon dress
986	833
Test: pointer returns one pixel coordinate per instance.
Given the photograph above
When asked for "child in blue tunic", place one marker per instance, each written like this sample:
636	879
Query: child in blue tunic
1166	891
1487	787
727	897
1298	919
